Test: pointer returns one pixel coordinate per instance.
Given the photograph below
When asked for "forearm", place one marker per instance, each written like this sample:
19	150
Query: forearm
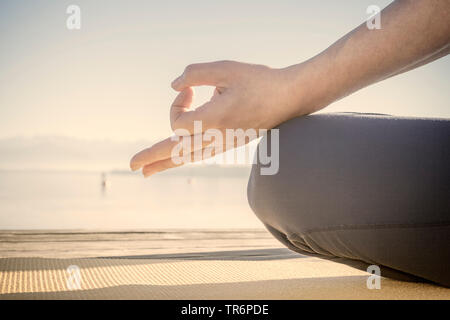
258	97
413	33
439	54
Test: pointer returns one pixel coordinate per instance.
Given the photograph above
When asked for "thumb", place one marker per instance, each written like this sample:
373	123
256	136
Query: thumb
182	117
181	104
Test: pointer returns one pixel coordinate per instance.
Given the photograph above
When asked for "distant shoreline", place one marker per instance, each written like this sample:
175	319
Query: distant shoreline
194	169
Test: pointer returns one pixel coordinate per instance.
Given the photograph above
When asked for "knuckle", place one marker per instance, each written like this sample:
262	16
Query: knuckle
259	68
227	63
189	69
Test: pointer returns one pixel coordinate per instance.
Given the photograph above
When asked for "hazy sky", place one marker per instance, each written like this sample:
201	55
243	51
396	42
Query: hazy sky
111	78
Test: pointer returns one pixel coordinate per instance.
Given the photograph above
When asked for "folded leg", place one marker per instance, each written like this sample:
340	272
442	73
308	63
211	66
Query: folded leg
362	189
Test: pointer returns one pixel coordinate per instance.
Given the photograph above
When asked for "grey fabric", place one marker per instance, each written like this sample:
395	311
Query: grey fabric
362	189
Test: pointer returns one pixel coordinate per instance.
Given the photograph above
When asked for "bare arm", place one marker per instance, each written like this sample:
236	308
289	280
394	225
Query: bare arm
413	33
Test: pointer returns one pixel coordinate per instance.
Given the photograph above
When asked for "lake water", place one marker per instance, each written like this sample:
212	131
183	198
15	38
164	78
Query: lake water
77	200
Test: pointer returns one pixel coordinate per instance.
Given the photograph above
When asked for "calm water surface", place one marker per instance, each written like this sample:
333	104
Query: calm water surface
73	200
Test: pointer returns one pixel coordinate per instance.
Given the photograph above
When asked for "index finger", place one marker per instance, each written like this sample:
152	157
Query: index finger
209	73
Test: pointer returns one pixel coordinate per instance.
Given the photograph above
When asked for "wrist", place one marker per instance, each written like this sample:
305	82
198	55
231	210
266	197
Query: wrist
311	85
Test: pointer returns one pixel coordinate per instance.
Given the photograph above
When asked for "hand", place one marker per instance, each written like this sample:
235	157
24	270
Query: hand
253	96
246	96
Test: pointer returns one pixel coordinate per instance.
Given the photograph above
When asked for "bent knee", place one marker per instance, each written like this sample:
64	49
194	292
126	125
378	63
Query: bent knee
346	169
271	192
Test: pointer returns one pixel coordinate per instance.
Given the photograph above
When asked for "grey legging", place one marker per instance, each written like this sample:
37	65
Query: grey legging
362	189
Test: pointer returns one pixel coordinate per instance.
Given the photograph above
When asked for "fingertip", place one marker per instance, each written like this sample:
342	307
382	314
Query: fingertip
147	173
183	99
134	165
188	92
176	84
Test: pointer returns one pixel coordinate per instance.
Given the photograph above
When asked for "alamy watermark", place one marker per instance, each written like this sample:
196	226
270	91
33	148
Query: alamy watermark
374	280
73	21
73	280
374	20
213	146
